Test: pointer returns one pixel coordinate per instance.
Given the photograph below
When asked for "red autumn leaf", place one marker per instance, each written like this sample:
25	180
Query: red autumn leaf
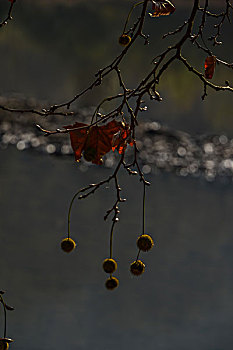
99	141
210	63
94	142
77	138
12	1
162	8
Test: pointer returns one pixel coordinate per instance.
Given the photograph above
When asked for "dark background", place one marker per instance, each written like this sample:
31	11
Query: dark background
184	299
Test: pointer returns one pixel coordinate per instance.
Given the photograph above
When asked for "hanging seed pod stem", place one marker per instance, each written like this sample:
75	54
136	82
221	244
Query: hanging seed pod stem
111	238
129	14
68	244
143	208
5	308
5	319
69	212
143	214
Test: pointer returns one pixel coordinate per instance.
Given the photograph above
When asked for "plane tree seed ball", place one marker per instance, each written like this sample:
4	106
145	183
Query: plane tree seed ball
145	242
4	343
67	245
124	40
137	268
109	265
111	283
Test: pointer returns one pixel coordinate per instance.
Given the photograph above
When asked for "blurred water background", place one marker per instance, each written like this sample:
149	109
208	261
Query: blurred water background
184	299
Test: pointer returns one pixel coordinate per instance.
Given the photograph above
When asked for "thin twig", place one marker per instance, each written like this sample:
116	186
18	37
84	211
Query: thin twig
8	17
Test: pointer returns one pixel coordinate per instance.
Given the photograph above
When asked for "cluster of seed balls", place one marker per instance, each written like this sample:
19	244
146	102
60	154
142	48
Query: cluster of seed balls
144	243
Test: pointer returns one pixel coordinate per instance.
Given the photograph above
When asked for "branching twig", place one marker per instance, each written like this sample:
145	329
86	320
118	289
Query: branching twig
224	16
178	30
8	17
43	112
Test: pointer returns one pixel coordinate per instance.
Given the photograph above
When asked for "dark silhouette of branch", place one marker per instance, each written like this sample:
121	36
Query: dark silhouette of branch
42	112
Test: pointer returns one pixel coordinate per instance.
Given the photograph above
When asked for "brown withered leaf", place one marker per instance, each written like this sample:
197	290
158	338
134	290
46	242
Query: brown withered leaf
94	142
77	138
162	8
99	141
210	63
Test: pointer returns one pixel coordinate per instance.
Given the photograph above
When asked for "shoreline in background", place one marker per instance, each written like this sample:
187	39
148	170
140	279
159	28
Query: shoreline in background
161	149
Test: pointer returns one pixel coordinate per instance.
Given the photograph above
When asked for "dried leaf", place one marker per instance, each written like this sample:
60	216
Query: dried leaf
78	138
99	141
210	63
162	8
94	142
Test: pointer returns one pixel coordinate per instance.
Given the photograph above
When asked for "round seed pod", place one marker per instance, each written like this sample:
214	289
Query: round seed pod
67	245
137	268
145	242
111	283
124	40
4	343
109	265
